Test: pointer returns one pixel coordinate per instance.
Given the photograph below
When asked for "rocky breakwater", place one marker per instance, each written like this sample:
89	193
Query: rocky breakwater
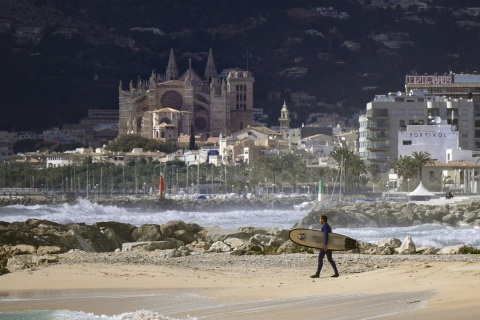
214	204
29	244
37	242
385	214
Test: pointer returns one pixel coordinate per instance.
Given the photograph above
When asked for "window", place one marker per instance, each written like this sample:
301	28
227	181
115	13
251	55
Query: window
464	134
397	112
402	123
407	142
464	123
431	175
416	112
464	112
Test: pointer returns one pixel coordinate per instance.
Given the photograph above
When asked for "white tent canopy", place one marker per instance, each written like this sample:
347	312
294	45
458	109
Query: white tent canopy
421	191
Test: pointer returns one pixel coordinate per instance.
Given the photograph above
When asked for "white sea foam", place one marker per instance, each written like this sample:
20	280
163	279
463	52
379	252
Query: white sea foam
87	212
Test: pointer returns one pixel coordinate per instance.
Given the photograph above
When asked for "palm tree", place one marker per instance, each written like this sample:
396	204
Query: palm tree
343	156
272	166
420	159
405	167
357	171
294	168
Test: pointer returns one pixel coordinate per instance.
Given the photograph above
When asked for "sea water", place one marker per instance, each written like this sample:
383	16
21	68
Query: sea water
433	235
78	315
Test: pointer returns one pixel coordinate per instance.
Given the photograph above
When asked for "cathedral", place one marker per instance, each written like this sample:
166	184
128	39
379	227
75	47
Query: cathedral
166	106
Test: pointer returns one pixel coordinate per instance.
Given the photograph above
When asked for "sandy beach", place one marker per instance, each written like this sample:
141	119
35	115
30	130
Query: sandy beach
220	286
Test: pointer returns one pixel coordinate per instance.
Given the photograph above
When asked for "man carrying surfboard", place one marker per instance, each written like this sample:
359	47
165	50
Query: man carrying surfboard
326	229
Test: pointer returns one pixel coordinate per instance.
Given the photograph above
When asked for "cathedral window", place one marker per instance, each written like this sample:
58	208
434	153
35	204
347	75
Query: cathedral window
244	97
165	120
238	106
172	99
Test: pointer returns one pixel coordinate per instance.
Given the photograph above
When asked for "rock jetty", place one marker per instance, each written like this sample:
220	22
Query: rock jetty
38	242
388	214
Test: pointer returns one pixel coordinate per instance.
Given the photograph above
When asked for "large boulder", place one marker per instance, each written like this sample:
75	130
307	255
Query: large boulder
148	245
407	247
92	235
123	231
219	246
458	249
147	232
289	247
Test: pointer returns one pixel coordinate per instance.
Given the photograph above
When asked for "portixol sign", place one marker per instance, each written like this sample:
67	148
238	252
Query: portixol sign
429	134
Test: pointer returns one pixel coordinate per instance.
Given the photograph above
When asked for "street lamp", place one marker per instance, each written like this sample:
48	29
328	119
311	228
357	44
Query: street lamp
408	184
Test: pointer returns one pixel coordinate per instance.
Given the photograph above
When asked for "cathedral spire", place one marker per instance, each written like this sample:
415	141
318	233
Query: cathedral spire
172	69
210	69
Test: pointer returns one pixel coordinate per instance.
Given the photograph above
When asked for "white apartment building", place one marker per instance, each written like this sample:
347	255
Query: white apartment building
453	85
387	115
438	138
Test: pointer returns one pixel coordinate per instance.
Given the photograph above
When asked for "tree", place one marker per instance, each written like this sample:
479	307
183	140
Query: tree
357	171
272	165
126	143
404	167
192	145
420	159
295	168
353	168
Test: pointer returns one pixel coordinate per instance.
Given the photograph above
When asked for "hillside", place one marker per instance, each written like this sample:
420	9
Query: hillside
348	54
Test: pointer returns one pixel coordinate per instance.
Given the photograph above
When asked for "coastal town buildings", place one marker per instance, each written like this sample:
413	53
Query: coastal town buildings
388	115
459	86
210	104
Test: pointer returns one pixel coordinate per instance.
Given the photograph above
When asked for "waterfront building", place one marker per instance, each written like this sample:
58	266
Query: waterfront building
208	105
387	115
452	85
436	138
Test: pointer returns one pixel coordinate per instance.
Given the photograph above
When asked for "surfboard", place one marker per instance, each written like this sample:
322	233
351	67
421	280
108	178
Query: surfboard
314	239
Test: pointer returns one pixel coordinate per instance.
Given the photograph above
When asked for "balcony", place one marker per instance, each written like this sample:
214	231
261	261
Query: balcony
377	156
377	125
377	135
377	113
377	146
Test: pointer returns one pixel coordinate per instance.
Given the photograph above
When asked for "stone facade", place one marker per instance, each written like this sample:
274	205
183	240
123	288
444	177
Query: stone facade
208	105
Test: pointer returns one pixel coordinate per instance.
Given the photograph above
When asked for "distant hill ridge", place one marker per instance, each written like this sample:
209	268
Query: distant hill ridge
346	58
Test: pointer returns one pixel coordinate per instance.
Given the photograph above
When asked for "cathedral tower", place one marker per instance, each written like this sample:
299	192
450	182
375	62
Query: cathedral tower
284	118
240	99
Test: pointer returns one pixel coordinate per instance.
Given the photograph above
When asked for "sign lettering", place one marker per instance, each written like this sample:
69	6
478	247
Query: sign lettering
428	135
429	79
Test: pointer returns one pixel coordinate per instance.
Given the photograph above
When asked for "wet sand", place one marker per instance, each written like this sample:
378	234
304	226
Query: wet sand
236	288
